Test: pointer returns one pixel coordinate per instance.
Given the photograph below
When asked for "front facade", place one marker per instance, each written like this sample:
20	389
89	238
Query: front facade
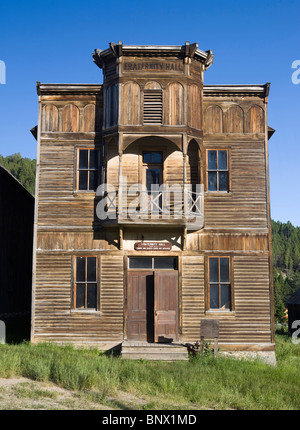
152	205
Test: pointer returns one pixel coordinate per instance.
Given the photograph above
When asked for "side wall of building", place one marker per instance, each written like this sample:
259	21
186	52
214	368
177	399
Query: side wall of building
16	236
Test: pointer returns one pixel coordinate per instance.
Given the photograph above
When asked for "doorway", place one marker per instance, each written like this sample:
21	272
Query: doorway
152	299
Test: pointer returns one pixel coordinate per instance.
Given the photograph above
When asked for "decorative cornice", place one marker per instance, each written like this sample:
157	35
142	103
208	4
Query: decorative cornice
44	89
181	51
236	90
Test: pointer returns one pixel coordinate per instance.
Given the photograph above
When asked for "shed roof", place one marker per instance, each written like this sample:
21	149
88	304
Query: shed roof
294	299
4	171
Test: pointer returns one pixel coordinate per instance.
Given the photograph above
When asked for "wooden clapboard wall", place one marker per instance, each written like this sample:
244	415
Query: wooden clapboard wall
250	321
54	318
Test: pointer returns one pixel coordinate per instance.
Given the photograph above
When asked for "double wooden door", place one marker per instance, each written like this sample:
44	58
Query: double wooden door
152	306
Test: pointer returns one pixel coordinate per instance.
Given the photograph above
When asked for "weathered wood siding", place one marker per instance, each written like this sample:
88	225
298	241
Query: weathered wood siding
192	296
239	128
54	317
250	321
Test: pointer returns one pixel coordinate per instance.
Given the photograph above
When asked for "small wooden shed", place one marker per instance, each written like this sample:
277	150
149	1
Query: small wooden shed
16	241
293	305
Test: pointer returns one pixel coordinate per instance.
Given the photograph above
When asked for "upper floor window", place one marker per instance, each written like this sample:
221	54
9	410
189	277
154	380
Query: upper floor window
152	169
85	285
219	283
88	164
217	170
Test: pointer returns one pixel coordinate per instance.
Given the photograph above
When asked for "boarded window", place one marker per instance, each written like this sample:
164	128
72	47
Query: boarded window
219	283
153	107
217	170
88	169
85	285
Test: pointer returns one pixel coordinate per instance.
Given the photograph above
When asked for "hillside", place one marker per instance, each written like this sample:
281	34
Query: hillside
286	263
285	238
22	168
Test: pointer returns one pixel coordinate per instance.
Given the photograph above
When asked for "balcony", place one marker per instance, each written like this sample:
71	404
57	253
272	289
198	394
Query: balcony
162	206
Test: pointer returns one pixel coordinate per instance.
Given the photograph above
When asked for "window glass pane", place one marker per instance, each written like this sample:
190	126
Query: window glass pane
147	157
140	263
222	160
80	295
83	159
94	159
93	180
224	269
225	296
80	269
214	296
91	269
83	179
92	296
152	177
213	270
212	160
165	263
212	181
152	157
223	181
156	157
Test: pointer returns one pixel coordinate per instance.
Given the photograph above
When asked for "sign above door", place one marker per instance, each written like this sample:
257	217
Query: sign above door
152	246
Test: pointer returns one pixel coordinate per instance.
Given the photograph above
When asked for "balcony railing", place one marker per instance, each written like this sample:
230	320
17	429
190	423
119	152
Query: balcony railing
162	205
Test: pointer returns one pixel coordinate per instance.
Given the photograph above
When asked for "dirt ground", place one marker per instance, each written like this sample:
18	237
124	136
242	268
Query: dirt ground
25	394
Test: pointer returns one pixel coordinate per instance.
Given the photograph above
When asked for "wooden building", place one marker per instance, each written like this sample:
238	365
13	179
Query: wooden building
293	307
116	262
16	234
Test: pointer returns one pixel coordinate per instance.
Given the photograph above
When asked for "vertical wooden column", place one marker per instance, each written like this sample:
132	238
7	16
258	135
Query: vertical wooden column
185	196
120	181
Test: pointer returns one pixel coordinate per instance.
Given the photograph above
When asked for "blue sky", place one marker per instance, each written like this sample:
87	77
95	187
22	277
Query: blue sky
254	42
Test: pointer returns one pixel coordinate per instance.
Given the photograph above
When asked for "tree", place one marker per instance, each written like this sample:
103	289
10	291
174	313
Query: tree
23	169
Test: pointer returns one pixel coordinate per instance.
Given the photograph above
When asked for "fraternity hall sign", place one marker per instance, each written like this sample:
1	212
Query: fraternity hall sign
152	246
153	66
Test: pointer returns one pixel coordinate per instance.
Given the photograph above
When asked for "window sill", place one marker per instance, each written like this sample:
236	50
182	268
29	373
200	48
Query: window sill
220	313
84	194
85	312
218	193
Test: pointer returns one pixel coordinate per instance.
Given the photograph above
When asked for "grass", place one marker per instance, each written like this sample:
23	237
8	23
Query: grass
222	383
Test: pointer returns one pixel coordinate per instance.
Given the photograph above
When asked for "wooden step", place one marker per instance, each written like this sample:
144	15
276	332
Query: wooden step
154	351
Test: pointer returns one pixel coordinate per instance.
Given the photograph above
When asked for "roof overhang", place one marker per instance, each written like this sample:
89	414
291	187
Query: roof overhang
181	51
237	90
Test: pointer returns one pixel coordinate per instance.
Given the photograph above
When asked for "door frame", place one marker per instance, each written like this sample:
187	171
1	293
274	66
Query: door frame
127	270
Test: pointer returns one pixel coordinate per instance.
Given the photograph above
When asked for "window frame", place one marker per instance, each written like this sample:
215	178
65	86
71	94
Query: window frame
228	170
74	284
152	258
98	170
231	309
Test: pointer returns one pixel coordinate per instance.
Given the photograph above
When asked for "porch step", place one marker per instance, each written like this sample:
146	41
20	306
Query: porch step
154	351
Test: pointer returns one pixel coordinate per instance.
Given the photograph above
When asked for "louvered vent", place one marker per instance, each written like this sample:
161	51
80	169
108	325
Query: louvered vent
153	107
